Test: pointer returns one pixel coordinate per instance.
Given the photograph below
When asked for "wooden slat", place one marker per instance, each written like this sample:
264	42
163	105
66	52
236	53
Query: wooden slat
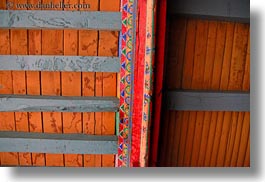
33	88
108	46
208	101
6	87
60	63
47	19
58	103
57	143
71	86
88	45
52	44
19	45
197	83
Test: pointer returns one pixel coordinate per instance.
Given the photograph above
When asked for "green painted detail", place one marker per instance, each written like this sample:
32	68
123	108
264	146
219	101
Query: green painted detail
124	51
129	44
123	80
117	117
125	22
128	67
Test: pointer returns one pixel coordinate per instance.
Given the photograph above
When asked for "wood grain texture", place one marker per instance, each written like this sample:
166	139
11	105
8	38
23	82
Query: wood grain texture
108	46
19	45
52	44
88	45
216	58
7	120
33	88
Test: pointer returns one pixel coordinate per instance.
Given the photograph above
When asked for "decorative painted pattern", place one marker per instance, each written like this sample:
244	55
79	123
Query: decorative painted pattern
148	82
127	54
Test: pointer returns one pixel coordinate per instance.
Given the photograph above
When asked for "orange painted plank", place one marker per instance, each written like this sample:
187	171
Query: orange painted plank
183	137
108	46
223	139
230	28
175	65
71	86
224	86
230	120
210	142
238	56
204	139
207	79
226	128
176	138
231	139
162	156
215	85
186	84
243	140
19	45
217	136
33	88
246	122
237	68
88	46
247	155
189	55
170	133
197	83
235	152
7	120
52	44
190	138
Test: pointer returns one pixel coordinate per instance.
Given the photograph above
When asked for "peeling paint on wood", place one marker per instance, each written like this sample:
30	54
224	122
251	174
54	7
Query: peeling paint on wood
34	19
60	63
57	103
57	143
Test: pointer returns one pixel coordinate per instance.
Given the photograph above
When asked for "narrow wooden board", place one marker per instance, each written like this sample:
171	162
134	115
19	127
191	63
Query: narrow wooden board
6	87
108	46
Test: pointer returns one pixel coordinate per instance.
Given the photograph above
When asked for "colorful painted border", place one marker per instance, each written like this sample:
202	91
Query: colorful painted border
143	84
127	39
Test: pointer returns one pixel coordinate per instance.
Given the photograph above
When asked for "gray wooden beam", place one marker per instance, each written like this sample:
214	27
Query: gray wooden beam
234	10
57	103
57	143
45	19
60	63
207	101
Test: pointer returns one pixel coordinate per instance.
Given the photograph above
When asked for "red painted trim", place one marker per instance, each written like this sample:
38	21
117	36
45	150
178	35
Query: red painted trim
138	83
158	82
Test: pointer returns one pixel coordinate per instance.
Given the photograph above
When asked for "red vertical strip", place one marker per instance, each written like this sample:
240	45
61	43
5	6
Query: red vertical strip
158	82
138	83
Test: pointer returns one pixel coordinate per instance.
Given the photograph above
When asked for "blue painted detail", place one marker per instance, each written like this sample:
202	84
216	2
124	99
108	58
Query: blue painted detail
122	93
125	7
129	56
123	65
128	78
127	100
124	36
